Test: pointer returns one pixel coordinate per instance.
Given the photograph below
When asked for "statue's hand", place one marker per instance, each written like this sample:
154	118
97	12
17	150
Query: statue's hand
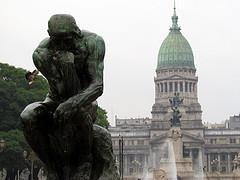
64	112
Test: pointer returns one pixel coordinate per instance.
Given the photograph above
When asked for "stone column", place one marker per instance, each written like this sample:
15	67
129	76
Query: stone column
154	159
208	163
190	153
125	166
166	87
178	86
229	162
145	161
219	163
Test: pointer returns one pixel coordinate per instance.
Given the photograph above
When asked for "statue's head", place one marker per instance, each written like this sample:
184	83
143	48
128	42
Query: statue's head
62	29
62	25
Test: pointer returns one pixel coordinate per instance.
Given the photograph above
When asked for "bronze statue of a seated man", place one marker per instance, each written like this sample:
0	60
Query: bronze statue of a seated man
60	129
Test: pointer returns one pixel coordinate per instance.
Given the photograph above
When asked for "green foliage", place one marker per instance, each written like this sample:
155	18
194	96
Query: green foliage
102	118
12	154
16	93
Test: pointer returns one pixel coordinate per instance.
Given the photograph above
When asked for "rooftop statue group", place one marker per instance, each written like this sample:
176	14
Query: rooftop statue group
175	102
61	128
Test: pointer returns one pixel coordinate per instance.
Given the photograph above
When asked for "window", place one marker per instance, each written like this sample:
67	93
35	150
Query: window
190	87
161	84
170	87
181	86
176	86
223	170
131	158
166	89
213	141
232	141
213	156
186	152
186	86
131	142
214	169
130	171
223	157
140	142
195	153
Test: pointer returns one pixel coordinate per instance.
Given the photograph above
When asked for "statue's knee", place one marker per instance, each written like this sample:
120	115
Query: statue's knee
31	113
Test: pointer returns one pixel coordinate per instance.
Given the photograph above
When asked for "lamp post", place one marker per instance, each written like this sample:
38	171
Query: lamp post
120	142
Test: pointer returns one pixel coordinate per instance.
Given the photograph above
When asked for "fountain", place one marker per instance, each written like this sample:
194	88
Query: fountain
173	165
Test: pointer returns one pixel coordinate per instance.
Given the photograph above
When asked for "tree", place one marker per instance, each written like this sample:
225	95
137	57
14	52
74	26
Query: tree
12	154
16	93
102	118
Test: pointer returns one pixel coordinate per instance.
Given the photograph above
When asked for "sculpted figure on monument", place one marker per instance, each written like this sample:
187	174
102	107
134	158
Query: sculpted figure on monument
175	102
60	129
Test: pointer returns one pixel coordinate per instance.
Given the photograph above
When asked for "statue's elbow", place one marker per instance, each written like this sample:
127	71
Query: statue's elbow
100	90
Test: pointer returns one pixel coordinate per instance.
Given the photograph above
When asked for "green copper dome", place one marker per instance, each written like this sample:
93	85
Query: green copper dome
175	51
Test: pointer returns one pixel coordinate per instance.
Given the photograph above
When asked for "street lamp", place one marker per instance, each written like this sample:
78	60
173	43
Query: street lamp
121	142
2	144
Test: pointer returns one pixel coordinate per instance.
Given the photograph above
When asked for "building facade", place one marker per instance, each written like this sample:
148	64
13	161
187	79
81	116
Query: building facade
200	150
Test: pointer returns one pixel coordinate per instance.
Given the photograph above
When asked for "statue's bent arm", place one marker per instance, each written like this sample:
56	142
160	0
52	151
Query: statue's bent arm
96	47
40	55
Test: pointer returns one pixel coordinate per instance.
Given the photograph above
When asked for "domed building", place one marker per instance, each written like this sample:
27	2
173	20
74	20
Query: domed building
174	144
176	78
176	73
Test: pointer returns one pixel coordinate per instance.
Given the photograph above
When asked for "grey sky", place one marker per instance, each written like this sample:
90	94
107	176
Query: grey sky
133	31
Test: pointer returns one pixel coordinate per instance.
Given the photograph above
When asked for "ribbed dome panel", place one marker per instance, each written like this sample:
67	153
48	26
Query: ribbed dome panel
175	52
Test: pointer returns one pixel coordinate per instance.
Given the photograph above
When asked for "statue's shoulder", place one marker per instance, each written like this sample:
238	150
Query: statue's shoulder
41	53
44	43
93	40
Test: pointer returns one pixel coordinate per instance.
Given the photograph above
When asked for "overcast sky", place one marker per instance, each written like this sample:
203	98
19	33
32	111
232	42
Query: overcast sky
133	31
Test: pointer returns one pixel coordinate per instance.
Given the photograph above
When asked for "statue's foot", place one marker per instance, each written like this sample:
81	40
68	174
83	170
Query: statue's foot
83	172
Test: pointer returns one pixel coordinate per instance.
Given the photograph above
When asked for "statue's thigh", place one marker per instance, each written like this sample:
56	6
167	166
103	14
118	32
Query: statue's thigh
33	113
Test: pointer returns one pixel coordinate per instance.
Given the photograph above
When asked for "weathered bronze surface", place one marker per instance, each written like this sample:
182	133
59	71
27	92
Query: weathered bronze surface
60	129
175	102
